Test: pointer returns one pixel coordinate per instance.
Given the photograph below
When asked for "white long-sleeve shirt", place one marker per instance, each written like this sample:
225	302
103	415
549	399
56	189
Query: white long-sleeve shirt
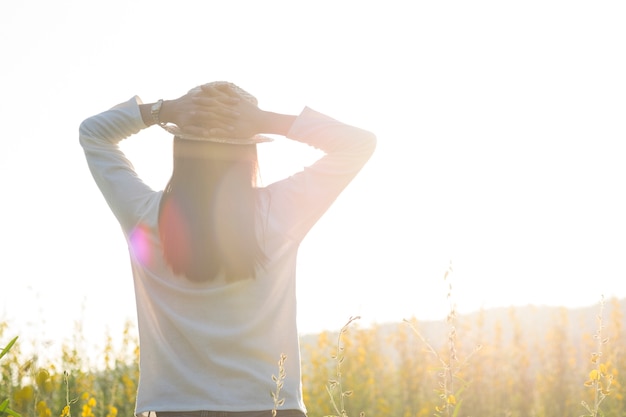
215	345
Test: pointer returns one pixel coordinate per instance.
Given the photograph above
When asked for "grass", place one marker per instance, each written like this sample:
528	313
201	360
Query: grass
450	384
382	372
335	388
600	379
279	381
4	405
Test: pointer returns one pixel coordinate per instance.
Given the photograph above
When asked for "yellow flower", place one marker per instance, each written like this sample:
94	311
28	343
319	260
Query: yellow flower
87	407
594	375
112	411
66	411
41	377
451	399
603	369
86	411
42	409
25	394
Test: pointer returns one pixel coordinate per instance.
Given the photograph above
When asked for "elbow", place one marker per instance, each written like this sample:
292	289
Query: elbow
84	132
370	141
88	131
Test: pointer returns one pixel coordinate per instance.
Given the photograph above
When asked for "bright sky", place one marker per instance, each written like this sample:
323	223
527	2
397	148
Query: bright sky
501	130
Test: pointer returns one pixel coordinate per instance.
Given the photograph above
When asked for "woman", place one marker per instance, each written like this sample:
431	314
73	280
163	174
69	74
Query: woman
213	256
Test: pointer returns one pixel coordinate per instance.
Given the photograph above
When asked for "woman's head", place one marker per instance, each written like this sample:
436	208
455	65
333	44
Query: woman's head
220	90
207	213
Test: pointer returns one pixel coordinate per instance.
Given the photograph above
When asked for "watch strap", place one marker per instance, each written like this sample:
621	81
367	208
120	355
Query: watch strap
155	112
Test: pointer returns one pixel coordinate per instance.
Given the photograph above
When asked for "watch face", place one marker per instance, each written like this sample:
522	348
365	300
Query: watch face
155	110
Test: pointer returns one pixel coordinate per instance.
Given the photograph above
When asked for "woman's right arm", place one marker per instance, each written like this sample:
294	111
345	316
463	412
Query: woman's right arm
198	111
114	174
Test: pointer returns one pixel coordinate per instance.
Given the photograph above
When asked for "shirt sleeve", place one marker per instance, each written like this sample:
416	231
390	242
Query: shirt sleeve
300	200
126	194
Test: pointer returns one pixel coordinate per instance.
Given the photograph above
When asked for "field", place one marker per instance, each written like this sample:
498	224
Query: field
518	362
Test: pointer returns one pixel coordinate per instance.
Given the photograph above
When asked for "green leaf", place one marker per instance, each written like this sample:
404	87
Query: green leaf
8	347
12	413
4	408
457	409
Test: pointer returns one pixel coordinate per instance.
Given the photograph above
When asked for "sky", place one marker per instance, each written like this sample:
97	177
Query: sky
500	126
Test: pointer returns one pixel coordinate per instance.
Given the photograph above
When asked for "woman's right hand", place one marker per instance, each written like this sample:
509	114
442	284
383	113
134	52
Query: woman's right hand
249	119
209	111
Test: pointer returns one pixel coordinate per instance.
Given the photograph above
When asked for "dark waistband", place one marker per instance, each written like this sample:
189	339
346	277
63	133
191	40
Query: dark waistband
204	413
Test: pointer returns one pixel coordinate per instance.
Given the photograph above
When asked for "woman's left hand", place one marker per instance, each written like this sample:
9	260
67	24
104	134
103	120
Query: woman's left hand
203	111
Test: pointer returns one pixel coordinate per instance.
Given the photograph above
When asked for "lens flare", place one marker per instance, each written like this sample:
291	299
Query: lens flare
140	244
174	236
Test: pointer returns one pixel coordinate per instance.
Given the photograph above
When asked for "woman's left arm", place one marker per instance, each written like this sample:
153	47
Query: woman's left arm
303	198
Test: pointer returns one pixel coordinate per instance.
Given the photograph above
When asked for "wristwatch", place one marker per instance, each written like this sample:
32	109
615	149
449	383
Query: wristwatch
155	111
